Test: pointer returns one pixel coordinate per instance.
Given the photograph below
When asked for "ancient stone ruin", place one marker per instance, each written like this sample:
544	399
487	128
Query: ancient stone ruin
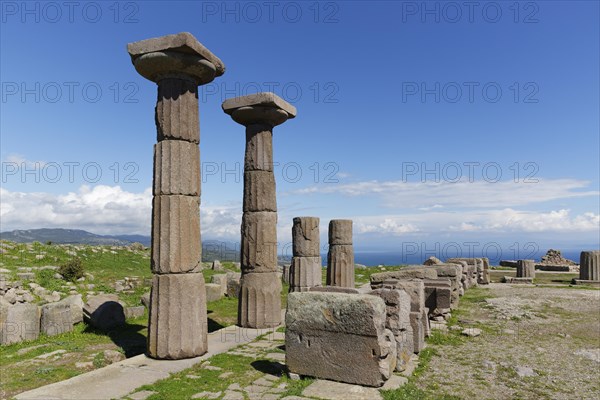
341	337
260	292
340	258
305	270
589	268
178	64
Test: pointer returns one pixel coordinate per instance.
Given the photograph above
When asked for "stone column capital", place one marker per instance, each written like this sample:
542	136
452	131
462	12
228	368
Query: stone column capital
264	108
175	56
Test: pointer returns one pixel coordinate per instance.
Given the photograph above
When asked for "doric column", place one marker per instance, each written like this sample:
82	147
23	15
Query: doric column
305	271
589	265
525	269
260	292
177	326
340	258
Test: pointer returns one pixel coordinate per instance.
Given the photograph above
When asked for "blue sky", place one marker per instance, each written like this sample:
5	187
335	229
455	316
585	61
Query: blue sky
424	122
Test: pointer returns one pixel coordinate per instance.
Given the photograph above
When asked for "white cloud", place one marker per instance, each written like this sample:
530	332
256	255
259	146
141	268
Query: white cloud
462	194
103	210
487	222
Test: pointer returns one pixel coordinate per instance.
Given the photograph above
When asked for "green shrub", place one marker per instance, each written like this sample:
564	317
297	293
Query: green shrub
72	269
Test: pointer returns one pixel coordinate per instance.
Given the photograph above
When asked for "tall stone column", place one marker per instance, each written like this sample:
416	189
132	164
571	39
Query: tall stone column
306	267
260	292
525	269
589	265
340	258
177	326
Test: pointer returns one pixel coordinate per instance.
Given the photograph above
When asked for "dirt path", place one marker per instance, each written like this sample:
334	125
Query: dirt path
537	343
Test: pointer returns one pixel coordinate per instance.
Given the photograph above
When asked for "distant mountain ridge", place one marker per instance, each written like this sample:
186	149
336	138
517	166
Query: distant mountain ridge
71	236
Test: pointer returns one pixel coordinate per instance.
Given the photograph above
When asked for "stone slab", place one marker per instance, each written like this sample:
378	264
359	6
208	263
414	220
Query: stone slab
118	380
329	390
322	327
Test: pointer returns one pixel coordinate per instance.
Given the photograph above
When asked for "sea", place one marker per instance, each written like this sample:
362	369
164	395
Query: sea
375	258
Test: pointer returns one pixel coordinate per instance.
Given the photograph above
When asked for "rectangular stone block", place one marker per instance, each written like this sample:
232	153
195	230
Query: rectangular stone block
334	289
177	326
176	246
438	294
233	284
340	266
410	272
306	272
260	300
214	291
305	237
19	323
397	303
221	280
56	318
340	337
415	288
176	168
416	322
259	191
259	242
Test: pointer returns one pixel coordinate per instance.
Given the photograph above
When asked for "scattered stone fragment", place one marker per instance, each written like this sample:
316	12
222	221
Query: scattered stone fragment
113	356
142	395
207	395
329	390
524	372
471	332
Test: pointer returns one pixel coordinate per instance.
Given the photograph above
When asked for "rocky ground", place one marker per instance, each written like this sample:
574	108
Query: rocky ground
536	343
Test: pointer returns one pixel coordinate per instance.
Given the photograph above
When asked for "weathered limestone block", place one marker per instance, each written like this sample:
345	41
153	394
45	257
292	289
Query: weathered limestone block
214	291
333	289
397	303
425	320
305	273
233	284
176	246
221	280
56	318
525	269
514	280
259	191
340	337
589	265
340	266
485	280
19	323
260	300
438	294
259	242
76	305
176	168
178	323
432	261
340	232
305	237
418	328
410	272
104	312
415	288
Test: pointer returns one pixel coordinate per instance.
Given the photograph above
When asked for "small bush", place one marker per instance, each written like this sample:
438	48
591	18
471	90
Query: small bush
72	269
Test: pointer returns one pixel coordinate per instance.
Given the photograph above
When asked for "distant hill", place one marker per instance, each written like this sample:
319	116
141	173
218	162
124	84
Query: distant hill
71	236
211	249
